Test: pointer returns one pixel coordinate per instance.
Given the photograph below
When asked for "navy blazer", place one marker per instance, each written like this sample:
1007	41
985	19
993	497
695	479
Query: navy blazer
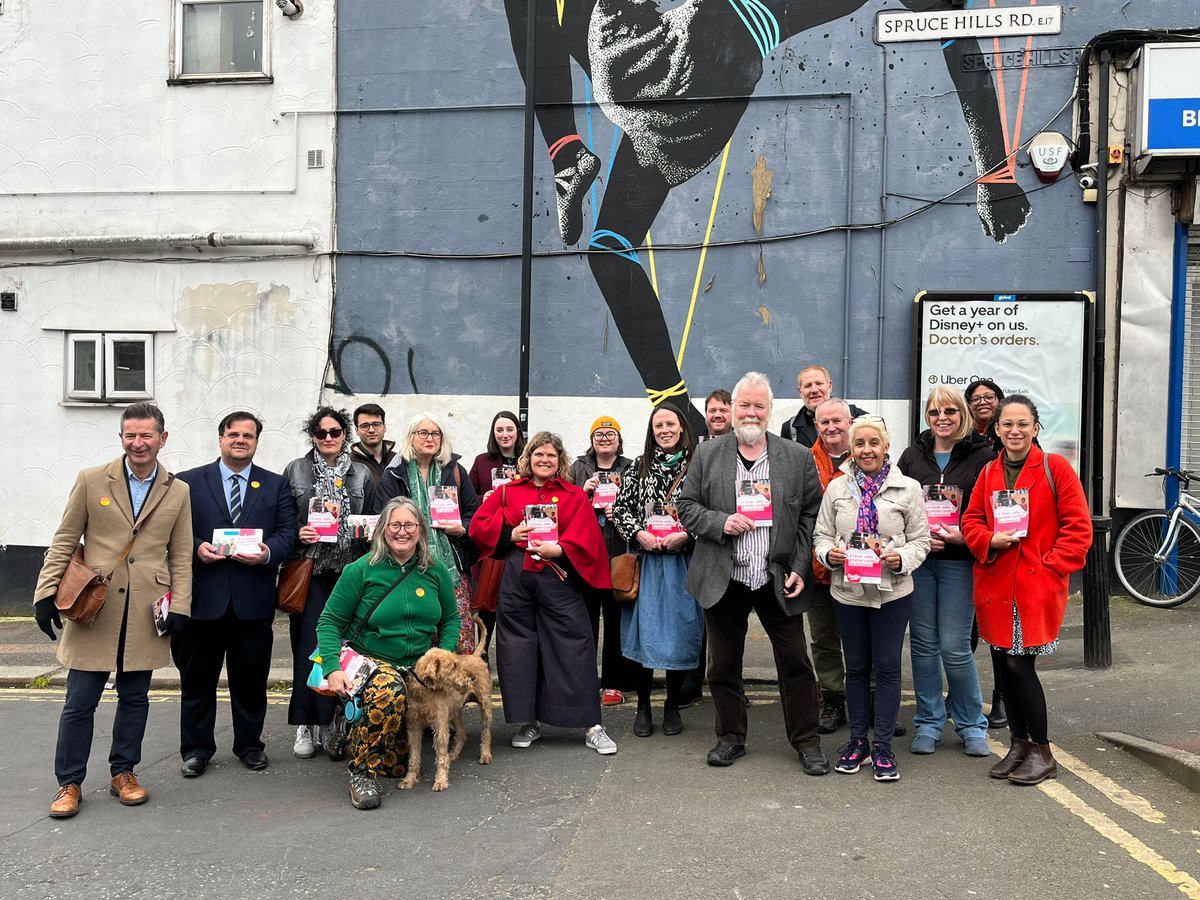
269	506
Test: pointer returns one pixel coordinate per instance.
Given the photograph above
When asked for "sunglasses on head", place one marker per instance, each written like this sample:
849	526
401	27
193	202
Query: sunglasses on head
320	434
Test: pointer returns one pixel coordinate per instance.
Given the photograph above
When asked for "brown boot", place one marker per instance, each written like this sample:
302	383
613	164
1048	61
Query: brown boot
1037	767
66	802
126	788
1017	751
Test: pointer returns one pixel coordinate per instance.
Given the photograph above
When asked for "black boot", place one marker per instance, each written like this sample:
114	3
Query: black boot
643	722
672	722
997	717
833	712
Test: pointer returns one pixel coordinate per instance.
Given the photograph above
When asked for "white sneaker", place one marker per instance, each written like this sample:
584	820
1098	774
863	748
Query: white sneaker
527	735
597	738
304	748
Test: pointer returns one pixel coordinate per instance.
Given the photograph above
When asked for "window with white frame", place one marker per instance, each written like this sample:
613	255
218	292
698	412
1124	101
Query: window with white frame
109	367
223	40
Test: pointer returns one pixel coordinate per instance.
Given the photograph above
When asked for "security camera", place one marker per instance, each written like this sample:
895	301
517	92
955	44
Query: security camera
1087	181
290	8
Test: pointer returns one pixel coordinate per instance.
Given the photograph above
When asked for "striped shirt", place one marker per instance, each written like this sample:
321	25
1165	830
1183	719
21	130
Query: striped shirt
750	549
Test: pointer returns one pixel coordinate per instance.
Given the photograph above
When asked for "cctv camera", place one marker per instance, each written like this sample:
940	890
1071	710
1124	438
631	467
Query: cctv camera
1087	181
290	8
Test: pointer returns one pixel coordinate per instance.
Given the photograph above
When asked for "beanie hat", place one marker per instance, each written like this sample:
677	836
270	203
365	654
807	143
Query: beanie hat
605	422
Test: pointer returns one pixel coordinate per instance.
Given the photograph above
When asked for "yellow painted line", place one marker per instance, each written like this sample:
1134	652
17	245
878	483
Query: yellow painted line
1110	830
1139	806
712	216
653	268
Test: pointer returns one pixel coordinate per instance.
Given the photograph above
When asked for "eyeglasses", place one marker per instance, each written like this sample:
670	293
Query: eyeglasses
320	434
427	435
368	426
606	435
1008	425
982	398
949	412
406	527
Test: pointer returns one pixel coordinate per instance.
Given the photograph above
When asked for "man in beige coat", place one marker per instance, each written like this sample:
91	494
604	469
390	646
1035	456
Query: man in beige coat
134	498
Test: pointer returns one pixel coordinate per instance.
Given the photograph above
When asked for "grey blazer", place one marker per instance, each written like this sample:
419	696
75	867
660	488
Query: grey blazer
708	498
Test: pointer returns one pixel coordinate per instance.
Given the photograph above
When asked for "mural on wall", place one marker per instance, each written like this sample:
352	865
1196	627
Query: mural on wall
676	82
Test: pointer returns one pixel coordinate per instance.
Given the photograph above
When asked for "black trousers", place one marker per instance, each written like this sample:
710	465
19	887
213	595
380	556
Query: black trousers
307	707
616	672
244	647
726	624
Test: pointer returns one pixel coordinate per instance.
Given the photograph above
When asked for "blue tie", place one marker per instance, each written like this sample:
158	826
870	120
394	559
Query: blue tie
235	500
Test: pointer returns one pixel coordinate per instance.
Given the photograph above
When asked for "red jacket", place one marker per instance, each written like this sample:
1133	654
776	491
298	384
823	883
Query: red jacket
1034	572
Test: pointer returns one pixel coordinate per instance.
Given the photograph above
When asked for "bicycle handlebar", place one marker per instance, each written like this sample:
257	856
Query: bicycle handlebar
1183	475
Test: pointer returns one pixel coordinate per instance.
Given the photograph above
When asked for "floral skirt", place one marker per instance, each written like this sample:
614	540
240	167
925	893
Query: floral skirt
378	741
1018	647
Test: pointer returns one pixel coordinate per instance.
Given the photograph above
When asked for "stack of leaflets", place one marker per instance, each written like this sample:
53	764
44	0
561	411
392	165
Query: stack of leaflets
323	516
864	558
160	610
662	520
543	521
362	527
356	667
754	501
943	503
502	475
231	542
606	490
1010	511
443	505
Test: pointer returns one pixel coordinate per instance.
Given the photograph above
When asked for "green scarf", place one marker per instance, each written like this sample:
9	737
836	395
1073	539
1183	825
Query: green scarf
439	541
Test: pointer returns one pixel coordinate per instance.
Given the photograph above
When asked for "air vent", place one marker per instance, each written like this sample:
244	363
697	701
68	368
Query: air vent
8	301
316	159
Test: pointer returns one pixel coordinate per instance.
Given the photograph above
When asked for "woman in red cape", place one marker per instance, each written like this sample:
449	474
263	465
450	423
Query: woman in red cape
545	651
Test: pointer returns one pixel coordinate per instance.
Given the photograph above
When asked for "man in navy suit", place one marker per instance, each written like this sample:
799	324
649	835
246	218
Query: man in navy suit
234	596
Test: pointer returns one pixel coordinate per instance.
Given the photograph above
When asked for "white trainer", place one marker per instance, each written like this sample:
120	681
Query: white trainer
597	738
527	735
304	748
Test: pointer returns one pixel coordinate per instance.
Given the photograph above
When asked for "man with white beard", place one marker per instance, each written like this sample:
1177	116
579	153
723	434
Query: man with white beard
746	560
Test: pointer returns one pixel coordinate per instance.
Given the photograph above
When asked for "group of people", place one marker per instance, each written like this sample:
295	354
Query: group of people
387	589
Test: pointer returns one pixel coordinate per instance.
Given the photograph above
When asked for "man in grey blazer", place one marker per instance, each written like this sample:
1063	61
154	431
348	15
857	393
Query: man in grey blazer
740	565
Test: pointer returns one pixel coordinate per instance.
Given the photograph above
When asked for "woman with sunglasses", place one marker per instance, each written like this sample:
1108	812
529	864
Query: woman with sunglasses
407	617
947	458
426	462
1021	581
326	474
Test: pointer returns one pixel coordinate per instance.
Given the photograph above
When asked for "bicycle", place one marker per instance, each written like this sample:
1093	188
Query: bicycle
1157	553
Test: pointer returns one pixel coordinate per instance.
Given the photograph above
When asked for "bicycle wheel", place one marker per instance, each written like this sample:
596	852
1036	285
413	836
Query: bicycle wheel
1163	582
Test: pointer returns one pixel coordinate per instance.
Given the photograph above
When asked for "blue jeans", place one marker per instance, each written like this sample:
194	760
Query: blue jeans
78	715
940	638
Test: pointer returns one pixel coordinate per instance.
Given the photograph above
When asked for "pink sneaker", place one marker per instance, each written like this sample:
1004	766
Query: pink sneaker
612	697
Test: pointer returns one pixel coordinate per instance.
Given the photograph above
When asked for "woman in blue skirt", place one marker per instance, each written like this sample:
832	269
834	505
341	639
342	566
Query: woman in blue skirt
664	627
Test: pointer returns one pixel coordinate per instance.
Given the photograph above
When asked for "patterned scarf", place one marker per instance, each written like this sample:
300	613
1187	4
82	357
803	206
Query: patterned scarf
439	541
868	516
329	484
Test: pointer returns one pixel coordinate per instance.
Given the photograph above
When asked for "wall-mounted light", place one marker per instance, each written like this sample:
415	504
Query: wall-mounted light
293	9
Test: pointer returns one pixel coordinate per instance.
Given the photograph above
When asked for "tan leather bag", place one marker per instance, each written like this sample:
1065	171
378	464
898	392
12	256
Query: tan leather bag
294	578
81	591
626	572
487	587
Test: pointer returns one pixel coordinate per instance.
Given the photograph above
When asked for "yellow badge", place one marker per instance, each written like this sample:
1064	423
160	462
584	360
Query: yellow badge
105	501
337	482
255	484
420	592
555	499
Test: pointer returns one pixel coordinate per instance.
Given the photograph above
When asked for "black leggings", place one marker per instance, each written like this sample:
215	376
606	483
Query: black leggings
674	686
1023	695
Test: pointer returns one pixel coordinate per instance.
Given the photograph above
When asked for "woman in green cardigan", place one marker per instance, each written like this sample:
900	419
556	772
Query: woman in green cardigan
416	614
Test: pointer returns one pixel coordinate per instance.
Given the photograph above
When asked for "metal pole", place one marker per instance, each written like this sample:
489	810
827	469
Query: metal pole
527	214
1097	625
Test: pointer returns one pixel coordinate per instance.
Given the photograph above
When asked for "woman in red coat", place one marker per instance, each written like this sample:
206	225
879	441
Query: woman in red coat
1021	582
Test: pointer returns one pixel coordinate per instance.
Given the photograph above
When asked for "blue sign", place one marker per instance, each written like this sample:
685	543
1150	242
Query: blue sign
1173	124
1005	298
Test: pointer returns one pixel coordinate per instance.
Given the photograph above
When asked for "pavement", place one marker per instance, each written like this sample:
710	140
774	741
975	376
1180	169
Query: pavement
558	821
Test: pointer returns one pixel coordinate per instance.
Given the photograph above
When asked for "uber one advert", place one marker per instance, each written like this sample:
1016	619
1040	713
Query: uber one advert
1032	344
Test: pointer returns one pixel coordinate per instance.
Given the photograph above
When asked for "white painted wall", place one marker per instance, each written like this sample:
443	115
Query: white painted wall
94	141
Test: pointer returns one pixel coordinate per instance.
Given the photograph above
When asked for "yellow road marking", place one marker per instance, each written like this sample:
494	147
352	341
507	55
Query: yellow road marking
1107	828
1139	806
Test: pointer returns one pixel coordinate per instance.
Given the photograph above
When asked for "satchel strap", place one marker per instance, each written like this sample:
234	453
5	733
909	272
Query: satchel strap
374	606
138	526
675	483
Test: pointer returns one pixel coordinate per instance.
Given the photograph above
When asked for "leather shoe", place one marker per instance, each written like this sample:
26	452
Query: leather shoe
66	802
813	761
193	767
1037	766
254	760
725	754
125	788
672	722
643	724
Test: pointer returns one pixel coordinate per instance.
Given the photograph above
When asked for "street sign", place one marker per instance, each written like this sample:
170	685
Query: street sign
893	27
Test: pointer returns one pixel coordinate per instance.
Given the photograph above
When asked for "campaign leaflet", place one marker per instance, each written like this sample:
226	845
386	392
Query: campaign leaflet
362	527
1010	511
606	490
662	521
160	610
942	505
754	501
502	475
864	561
443	505
230	542
356	667
323	516
543	521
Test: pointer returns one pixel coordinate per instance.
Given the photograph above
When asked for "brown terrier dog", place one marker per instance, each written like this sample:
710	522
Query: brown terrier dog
447	682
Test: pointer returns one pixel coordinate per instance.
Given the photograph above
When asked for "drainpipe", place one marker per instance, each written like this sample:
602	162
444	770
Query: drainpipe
305	239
